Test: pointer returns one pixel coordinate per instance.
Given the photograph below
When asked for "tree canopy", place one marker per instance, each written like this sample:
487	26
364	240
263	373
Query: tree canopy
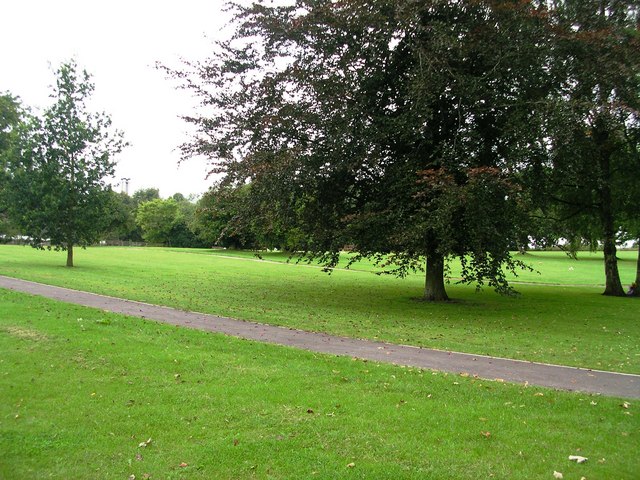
412	130
394	127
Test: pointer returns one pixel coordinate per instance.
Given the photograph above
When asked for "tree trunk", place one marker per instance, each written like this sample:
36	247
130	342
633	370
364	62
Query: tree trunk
636	291
613	285
638	265
434	283
70	255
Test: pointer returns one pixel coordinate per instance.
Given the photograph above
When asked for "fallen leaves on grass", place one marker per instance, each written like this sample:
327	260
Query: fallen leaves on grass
145	444
184	464
25	333
351	465
578	458
485	434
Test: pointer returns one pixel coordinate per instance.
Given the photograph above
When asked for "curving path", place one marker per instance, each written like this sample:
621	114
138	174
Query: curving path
553	376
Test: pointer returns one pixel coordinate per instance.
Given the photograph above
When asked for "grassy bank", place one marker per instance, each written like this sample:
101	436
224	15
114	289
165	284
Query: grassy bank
555	324
81	390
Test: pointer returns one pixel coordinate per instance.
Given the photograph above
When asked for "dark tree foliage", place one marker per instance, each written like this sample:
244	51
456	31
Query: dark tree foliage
391	126
219	218
591	178
56	190
122	212
183	233
225	217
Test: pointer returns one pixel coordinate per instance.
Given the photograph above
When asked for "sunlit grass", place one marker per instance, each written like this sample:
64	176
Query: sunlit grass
550	267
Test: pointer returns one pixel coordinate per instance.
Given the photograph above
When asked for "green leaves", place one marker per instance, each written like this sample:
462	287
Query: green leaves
56	189
334	111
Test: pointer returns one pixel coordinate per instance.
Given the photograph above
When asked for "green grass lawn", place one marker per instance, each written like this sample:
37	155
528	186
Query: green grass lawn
556	324
551	268
81	390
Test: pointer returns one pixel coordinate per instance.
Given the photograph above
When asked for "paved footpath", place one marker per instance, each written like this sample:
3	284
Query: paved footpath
554	376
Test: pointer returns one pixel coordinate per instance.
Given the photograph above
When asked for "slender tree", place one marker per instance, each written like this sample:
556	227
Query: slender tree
593	123
56	182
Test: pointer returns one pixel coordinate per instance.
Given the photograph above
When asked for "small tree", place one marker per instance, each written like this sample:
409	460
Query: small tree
593	125
56	182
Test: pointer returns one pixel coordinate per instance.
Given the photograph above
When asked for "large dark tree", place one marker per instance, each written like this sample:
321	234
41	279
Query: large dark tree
392	126
56	186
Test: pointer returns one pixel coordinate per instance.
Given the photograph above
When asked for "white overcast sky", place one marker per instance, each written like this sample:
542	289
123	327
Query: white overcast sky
118	42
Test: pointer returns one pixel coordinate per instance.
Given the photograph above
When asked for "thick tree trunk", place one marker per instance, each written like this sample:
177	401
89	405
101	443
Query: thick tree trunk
613	284
434	283
70	255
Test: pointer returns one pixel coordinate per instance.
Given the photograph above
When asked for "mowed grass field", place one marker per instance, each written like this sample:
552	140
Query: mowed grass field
85	394
560	316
